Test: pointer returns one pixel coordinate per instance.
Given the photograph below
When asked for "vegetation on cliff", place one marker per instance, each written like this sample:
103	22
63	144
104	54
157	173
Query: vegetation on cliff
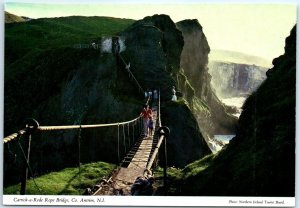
260	160
194	82
49	78
58	83
69	181
159	44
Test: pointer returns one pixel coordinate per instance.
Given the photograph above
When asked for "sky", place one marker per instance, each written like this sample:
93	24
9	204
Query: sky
255	29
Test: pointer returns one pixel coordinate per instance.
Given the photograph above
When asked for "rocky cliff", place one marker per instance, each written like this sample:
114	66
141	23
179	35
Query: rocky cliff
194	81
234	79
260	160
11	18
154	46
47	78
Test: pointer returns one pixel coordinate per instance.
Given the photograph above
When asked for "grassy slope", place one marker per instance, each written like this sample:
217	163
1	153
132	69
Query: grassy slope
40	59
68	181
22	38
34	49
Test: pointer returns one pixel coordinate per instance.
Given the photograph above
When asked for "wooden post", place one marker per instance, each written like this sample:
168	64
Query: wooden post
79	138
165	164
25	167
164	131
31	125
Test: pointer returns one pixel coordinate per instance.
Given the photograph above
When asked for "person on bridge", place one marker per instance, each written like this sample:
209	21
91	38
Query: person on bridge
146	114
155	95
150	94
150	126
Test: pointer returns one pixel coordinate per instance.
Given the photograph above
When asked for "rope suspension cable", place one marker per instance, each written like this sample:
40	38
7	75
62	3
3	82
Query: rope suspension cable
66	127
128	135
118	143
11	152
160	139
29	167
131	74
79	147
139	124
124	141
133	133
142	125
14	136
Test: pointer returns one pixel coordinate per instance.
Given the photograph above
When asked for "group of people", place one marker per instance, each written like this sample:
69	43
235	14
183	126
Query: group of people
152	94
143	185
147	120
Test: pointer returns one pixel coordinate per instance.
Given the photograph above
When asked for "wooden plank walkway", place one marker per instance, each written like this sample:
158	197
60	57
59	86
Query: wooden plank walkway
125	177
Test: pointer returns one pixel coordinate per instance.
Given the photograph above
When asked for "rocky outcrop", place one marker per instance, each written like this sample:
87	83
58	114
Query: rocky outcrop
194	57
234	79
11	18
196	87
262	155
153	48
181	147
84	86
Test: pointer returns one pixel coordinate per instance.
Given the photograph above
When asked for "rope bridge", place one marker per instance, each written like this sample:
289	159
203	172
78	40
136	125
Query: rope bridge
142	154
138	161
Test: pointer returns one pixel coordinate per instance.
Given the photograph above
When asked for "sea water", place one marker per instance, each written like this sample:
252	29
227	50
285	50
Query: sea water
218	142
235	101
223	138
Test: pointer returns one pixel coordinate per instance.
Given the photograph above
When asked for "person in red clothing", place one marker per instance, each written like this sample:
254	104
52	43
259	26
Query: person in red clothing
146	114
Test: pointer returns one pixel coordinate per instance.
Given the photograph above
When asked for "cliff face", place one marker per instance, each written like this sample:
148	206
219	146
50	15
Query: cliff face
262	155
233	79
11	18
181	148
80	85
194	57
196	87
153	48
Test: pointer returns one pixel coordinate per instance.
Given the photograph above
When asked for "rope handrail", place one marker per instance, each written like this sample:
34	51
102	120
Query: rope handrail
161	138
50	128
151	161
129	71
13	136
53	128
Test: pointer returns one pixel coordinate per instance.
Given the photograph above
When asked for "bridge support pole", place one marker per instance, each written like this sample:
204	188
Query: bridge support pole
165	164
79	148
164	131
25	171
31	125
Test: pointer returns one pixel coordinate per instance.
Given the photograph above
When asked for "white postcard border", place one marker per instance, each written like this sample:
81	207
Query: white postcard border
53	200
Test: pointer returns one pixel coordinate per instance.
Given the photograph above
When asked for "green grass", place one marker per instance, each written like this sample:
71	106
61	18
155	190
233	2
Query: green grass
198	166
172	172
200	106
43	48
68	181
21	38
